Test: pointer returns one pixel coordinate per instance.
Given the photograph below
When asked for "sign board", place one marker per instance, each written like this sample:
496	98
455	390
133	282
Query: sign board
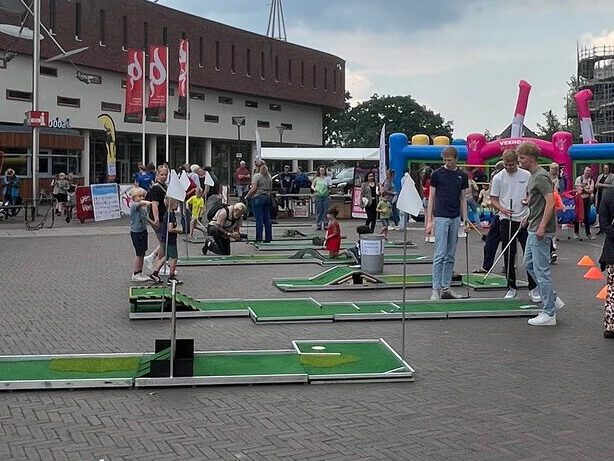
300	211
37	118
371	247
105	200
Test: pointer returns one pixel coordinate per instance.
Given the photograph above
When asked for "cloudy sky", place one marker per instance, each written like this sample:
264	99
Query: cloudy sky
461	58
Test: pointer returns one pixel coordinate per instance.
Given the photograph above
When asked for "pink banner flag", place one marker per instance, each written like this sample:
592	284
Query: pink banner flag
135	79
158	84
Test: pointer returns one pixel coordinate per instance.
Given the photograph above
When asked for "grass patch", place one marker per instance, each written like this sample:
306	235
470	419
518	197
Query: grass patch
327	360
95	365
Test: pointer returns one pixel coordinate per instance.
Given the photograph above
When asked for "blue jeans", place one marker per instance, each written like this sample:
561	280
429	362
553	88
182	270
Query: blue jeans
537	264
322	204
262	211
446	237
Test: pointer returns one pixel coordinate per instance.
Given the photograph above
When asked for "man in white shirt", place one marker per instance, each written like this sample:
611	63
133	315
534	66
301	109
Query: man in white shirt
508	196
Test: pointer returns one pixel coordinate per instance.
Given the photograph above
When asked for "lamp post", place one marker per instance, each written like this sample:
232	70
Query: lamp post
281	130
238	121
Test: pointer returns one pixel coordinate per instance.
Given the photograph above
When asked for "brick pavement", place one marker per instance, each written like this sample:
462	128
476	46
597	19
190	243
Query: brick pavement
486	389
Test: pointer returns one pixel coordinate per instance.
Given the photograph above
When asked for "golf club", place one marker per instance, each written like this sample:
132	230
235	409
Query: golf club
509	247
467	259
500	255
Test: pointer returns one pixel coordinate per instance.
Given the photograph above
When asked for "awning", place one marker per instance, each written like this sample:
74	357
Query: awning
320	153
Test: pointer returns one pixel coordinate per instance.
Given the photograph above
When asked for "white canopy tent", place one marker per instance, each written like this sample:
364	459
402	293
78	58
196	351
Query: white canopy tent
320	153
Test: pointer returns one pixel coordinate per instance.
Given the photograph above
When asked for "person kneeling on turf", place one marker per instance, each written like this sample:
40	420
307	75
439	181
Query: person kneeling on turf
224	226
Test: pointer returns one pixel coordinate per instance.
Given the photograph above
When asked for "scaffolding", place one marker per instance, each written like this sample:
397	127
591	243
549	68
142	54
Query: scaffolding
596	72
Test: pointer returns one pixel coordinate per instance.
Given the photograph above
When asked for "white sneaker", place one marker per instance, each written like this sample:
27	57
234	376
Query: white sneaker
535	296
166	270
511	293
543	320
432	239
559	304
449	294
139	278
435	295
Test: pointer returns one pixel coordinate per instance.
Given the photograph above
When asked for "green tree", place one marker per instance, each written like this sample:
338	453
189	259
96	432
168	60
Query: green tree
360	126
551	126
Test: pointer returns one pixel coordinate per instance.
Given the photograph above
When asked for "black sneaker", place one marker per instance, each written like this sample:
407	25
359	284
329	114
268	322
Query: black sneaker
608	334
155	279
205	248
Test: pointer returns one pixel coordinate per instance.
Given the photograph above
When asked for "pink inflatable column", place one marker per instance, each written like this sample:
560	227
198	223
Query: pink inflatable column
562	141
524	88
584	113
475	143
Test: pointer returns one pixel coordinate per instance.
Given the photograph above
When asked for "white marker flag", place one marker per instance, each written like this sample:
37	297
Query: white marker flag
208	179
175	188
382	155
409	200
258	146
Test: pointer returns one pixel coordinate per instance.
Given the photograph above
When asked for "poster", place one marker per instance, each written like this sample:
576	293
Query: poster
105	199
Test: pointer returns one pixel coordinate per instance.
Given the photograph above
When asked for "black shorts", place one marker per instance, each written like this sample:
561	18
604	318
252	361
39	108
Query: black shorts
139	241
61	198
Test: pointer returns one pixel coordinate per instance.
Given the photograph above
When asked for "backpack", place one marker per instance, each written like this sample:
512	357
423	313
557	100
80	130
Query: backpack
215	208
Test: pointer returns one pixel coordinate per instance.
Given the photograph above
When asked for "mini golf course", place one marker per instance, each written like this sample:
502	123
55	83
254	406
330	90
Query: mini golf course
300	257
154	303
295	246
306	362
346	278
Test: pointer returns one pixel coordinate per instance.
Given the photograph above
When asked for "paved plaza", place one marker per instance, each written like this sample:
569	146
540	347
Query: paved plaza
485	389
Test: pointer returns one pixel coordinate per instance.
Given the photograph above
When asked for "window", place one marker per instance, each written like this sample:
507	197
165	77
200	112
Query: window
263	124
232	59
289	70
78	21
125	33
314	77
286	126
217	55
248	58
200	96
302	73
68	102
146	36
335	80
16	95
275	107
110	107
224	100
212	118
276	69
52	15
49	71
253	104
201	61
18	160
59	161
262	74
102	27
325	79
165	36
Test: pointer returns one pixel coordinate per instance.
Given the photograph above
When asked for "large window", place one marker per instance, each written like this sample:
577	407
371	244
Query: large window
50	163
17	159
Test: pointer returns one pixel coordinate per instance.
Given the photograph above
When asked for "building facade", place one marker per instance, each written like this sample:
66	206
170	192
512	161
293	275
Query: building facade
280	88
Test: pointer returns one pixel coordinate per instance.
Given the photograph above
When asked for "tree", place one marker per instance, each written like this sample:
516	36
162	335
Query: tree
360	126
552	126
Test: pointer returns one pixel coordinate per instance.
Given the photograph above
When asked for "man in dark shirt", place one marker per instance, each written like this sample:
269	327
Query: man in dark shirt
286	180
447	206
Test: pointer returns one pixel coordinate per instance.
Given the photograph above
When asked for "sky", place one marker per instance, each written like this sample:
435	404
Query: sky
462	59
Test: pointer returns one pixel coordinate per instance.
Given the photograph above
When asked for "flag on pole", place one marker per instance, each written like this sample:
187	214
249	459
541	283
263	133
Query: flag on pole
184	77
209	180
175	187
382	155
258	146
409	200
184	180
135	79
158	83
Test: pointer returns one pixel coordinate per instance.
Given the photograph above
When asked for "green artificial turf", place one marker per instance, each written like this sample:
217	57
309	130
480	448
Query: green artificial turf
238	364
476	281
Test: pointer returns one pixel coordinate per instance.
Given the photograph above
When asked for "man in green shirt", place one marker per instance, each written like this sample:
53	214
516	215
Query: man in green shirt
541	225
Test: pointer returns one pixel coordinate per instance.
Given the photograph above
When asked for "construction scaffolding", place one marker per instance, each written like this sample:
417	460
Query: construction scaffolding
596	72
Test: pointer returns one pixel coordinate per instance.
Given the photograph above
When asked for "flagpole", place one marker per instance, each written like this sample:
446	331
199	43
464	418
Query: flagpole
167	146
143	153
187	104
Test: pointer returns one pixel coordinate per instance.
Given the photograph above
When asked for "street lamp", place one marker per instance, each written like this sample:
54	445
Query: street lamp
238	121
281	130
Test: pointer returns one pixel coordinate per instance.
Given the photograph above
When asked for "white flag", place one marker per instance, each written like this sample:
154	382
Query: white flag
382	155
208	179
258	146
184	180
409	200
175	189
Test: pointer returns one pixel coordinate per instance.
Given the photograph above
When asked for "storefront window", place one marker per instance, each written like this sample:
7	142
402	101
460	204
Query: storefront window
17	159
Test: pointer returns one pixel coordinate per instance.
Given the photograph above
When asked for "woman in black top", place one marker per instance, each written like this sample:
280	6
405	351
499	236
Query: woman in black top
369	192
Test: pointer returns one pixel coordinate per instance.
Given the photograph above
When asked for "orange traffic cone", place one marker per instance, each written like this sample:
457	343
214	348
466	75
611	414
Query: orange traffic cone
603	293
594	274
586	261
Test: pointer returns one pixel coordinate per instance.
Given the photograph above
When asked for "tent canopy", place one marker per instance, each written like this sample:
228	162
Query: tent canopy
320	153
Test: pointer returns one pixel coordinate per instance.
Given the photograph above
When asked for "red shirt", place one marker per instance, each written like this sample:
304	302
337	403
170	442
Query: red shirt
426	188
333	237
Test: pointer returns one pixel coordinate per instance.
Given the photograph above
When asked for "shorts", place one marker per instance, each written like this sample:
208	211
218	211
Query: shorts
139	241
61	198
385	222
171	252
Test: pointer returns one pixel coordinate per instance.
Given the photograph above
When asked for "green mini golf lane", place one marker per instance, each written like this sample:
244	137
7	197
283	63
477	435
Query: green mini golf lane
289	246
308	309
344	359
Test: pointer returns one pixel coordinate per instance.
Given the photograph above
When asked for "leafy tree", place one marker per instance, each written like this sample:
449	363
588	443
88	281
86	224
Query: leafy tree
360	126
551	126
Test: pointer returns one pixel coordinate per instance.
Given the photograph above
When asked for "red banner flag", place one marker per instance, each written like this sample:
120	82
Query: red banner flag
158	83
135	79
184	76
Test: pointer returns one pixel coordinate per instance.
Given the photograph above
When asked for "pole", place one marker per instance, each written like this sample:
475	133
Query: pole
143	157
173	325
404	286
187	106
168	155
36	54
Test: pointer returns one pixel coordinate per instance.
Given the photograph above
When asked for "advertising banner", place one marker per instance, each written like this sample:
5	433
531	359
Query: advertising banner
158	84
135	79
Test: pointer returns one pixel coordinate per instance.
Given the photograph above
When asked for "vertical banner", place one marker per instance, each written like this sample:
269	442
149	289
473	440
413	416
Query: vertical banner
158	84
109	128
382	155
184	77
135	80
258	146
